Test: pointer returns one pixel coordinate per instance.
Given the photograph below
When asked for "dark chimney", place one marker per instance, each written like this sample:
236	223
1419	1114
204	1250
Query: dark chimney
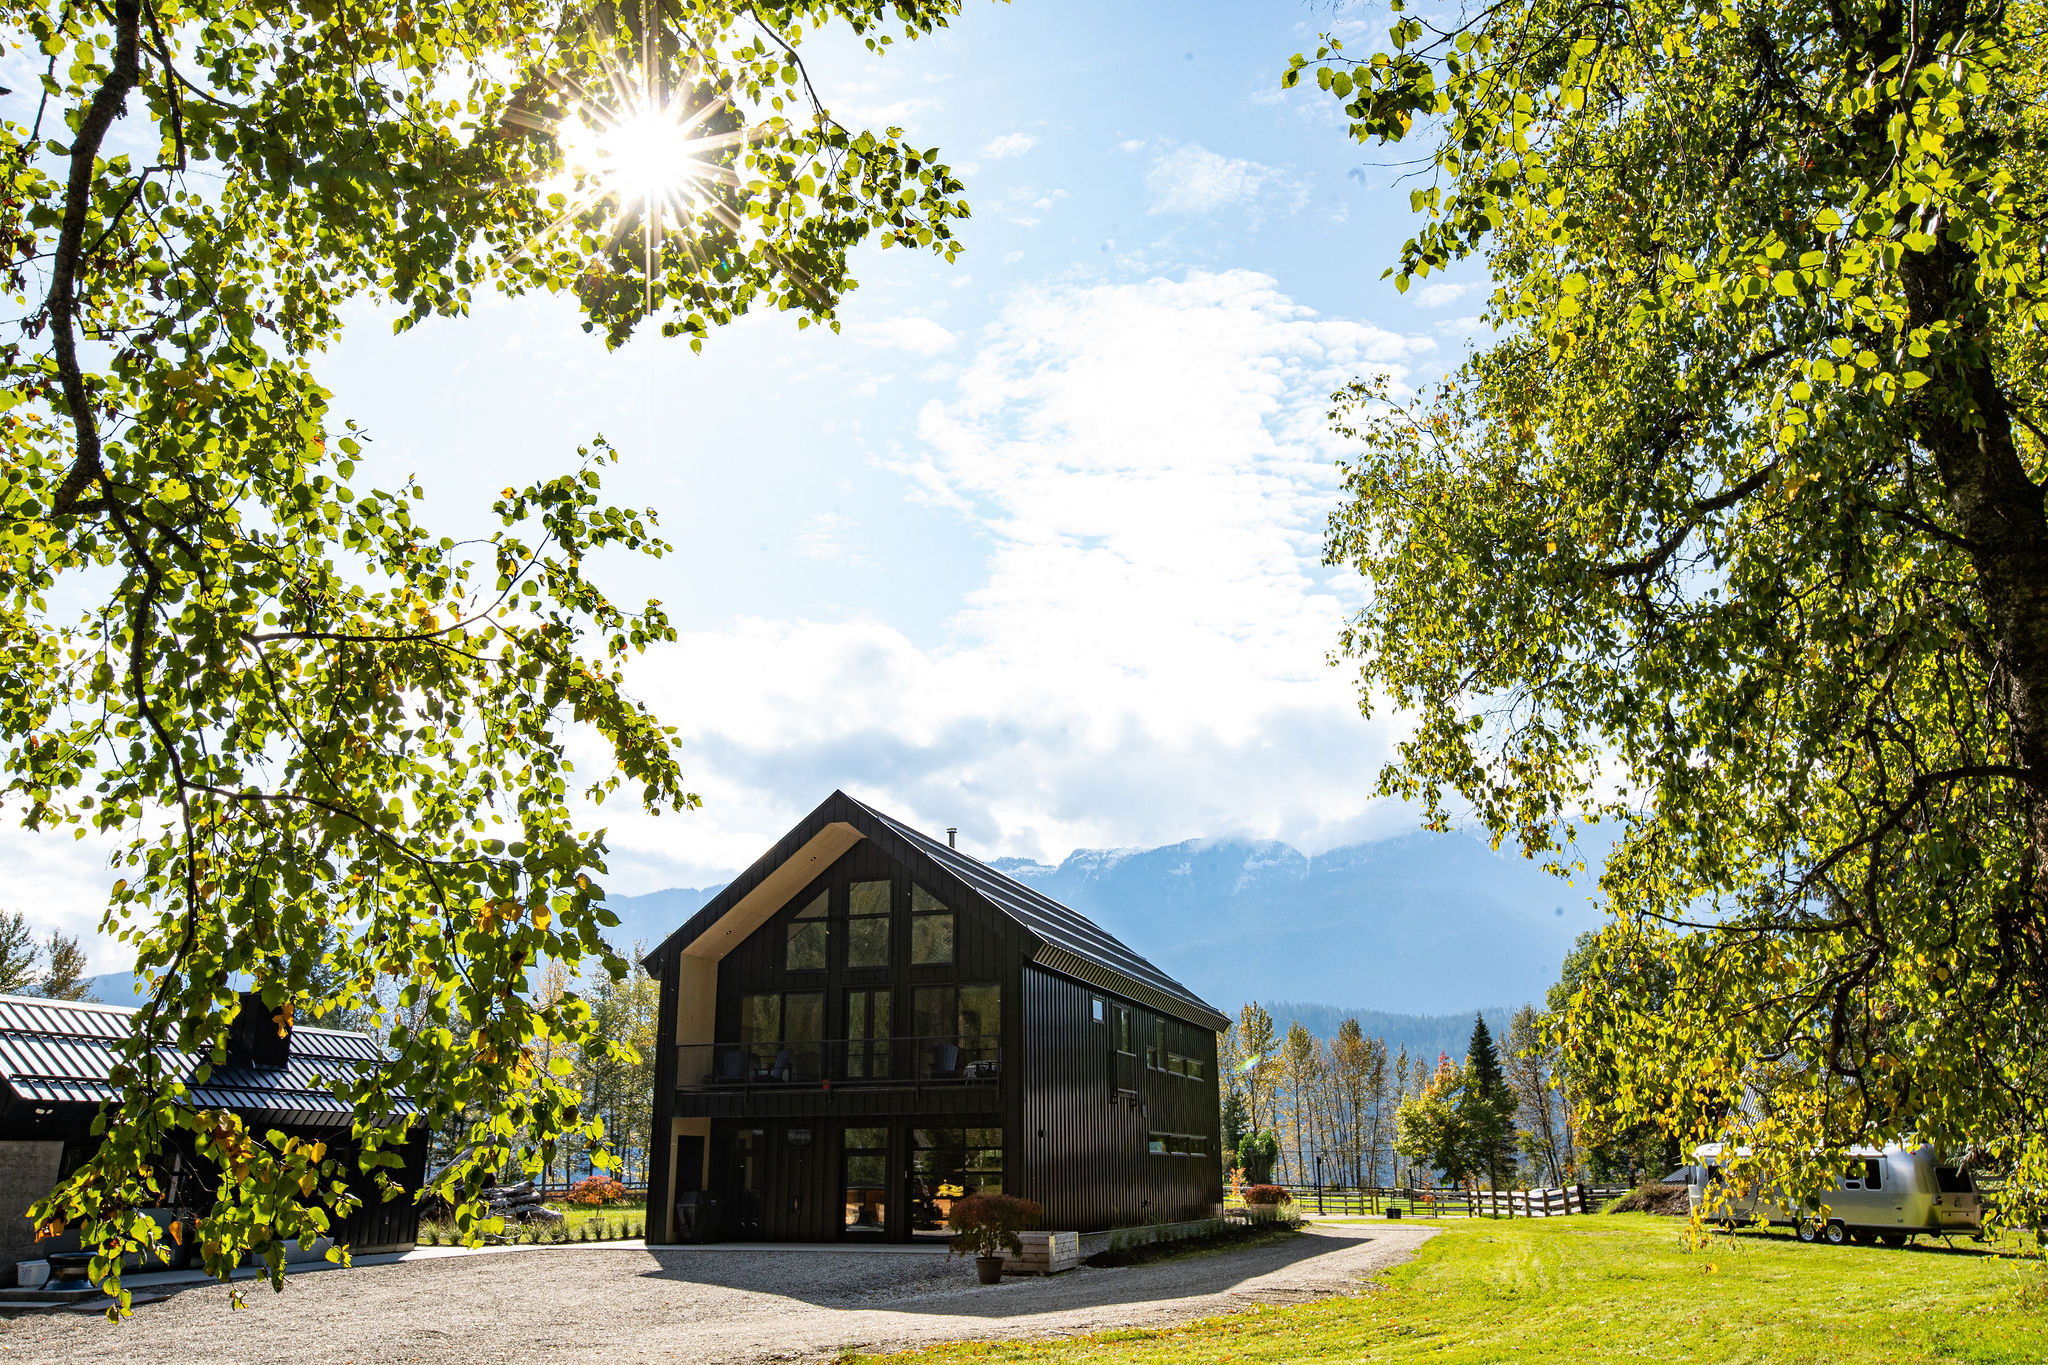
256	1038
951	830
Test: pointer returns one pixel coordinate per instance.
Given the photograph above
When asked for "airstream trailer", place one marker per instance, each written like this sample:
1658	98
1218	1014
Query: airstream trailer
1883	1194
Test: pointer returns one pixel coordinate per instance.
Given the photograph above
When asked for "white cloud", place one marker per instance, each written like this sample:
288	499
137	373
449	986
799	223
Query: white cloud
1012	257
1009	145
919	336
1143	659
1442	294
829	536
1191	179
1135	144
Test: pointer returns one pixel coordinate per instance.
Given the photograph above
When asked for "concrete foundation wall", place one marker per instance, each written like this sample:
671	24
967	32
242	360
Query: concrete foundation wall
28	1171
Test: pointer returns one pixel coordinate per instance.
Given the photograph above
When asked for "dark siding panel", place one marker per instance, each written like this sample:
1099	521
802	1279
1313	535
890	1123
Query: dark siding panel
659	1142
1083	1156
381	1224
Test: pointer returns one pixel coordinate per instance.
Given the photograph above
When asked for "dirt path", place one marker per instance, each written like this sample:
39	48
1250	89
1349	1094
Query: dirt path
722	1308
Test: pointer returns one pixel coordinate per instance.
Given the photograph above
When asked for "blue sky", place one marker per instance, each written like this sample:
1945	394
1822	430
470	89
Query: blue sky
1033	546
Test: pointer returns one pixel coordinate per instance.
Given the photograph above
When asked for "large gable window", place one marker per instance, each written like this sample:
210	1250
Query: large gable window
867	924
781	1035
810	936
931	929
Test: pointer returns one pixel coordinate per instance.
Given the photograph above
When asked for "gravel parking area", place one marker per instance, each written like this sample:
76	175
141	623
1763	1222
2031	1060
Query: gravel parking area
719	1307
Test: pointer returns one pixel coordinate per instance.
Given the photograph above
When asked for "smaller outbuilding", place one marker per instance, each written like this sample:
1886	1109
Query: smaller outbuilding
55	1060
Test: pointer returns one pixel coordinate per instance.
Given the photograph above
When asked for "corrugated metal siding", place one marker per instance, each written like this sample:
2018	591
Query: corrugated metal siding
1083	1156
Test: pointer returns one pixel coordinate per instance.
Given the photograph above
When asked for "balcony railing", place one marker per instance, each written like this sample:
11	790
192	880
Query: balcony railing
951	1059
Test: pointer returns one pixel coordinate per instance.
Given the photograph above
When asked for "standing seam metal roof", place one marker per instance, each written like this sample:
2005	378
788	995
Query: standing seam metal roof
1071	943
64	1052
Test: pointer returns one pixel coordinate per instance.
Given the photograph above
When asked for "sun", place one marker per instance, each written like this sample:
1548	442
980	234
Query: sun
646	152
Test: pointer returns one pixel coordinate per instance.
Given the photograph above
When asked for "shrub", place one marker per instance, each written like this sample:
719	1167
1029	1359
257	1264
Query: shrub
988	1224
1256	1153
596	1192
1266	1194
1652	1197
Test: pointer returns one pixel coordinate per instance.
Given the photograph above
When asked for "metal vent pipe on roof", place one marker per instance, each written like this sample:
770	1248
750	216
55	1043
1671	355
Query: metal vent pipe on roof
951	830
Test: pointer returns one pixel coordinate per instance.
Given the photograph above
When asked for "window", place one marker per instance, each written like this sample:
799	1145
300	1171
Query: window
867	924
931	929
1953	1180
809	936
867	1034
1863	1174
1176	1144
1095	1007
781	1035
867	1179
948	1164
1155	1053
1193	1068
959	1030
1123	1029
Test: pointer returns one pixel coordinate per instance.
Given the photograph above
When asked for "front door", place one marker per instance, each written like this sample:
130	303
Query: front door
864	1168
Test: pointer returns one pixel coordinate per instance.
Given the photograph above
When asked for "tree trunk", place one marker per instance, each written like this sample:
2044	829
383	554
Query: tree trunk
1966	422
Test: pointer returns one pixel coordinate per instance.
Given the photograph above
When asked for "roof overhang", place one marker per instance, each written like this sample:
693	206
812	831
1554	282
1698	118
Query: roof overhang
773	891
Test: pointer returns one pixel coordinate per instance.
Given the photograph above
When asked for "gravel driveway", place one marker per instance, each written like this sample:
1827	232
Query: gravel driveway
565	1304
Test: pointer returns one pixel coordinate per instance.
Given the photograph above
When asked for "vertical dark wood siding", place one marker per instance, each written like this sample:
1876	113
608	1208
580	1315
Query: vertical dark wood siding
660	1145
380	1224
1080	1148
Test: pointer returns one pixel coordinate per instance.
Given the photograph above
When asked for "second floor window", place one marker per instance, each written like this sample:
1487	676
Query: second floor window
867	924
810	936
931	929
782	1035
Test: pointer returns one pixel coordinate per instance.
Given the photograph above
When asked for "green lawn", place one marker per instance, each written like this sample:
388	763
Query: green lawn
610	1218
1617	1287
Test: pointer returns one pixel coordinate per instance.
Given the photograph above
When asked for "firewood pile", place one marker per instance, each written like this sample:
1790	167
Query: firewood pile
521	1202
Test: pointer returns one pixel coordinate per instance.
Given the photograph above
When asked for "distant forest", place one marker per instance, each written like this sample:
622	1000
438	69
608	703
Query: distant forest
1424	1035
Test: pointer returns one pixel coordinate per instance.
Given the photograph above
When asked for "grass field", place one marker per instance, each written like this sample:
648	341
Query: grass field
1620	1287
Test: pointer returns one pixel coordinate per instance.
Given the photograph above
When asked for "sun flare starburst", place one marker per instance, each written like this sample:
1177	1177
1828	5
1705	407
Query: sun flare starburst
652	154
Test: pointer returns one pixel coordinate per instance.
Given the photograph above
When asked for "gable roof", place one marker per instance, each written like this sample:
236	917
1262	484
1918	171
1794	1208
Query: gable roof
64	1052
1064	940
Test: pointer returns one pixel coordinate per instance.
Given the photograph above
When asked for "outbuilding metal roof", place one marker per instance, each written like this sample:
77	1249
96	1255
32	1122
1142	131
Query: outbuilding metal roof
1068	942
64	1052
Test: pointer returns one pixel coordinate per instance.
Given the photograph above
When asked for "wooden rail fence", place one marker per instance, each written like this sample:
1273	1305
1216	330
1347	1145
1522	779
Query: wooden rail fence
1331	1201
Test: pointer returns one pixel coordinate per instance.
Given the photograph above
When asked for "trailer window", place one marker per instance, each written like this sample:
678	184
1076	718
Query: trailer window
1953	1180
1863	1174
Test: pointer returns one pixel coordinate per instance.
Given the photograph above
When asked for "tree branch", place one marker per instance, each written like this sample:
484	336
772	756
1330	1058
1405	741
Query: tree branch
106	106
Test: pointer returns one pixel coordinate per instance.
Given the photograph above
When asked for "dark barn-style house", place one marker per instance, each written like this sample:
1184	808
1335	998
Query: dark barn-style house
55	1060
869	1024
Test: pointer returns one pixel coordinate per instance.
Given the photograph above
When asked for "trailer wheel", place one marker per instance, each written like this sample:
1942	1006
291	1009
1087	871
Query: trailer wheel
1808	1230
1837	1232
1896	1239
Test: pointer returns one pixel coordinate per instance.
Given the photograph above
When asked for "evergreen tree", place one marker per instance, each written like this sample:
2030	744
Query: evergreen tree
1236	1121
1487	1109
1487	1080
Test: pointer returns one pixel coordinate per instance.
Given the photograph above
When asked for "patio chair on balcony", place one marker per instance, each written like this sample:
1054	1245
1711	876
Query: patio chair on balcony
946	1062
732	1066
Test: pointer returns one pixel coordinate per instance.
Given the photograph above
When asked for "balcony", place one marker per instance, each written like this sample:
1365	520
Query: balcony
889	1063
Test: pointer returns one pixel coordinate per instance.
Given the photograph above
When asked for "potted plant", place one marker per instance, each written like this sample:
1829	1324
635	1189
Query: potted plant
1262	1202
985	1226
